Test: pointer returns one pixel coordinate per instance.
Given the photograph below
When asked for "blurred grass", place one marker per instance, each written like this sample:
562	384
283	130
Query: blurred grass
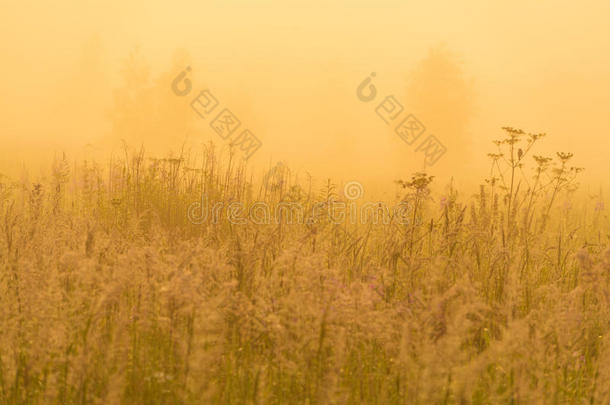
110	294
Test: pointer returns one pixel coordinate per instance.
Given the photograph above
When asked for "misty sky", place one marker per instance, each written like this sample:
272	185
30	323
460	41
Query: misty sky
290	70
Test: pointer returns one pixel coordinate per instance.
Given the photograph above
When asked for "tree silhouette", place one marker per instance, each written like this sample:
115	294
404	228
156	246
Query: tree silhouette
145	111
442	99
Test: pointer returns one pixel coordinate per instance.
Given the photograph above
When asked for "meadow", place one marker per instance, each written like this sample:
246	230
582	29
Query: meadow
111	293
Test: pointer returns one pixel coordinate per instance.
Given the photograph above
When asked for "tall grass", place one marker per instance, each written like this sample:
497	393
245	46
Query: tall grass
109	293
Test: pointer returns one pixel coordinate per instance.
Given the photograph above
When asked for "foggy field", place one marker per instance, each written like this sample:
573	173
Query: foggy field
116	287
304	202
